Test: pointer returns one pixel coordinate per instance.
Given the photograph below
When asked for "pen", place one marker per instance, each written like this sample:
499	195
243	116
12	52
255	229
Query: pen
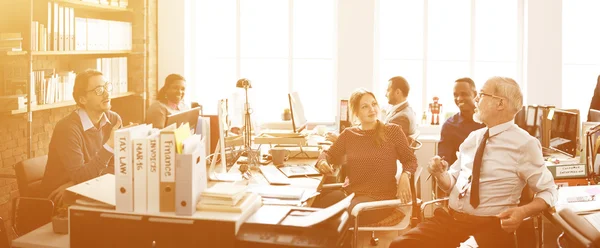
429	177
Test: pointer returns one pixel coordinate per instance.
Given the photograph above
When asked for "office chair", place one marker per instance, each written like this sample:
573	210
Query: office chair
4	243
29	176
579	232
526	197
31	213
30	209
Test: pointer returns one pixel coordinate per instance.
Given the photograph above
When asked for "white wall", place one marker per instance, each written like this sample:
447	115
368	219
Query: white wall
171	37
356	21
543	52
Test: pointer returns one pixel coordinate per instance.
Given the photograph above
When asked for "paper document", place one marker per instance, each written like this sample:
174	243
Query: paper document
304	220
593	219
579	207
101	189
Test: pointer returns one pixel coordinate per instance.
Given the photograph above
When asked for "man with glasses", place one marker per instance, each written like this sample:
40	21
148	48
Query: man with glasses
456	129
494	164
82	142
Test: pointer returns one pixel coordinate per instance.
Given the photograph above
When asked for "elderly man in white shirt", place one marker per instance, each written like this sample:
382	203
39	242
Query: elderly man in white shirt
494	165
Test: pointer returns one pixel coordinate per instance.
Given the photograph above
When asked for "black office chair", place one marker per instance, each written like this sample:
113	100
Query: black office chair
31	210
4	243
31	213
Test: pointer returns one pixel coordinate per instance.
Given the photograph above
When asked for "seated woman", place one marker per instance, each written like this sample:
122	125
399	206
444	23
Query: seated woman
370	151
168	101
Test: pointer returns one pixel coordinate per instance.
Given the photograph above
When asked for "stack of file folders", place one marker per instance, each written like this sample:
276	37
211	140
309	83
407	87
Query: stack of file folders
228	197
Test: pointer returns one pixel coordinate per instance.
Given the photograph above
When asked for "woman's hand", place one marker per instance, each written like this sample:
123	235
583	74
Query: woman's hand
324	167
404	188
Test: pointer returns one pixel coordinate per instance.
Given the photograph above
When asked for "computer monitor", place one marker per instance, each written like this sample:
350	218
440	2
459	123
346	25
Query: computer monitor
594	115
189	116
297	111
564	132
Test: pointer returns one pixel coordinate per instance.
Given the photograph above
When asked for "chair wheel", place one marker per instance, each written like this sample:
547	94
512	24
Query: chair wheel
374	241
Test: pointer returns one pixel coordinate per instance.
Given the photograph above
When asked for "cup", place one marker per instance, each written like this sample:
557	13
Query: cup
321	129
279	155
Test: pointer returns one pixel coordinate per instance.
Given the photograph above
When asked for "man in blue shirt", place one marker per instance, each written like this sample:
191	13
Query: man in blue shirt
456	129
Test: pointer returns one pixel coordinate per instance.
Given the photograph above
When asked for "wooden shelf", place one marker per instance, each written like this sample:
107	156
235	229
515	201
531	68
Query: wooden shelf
92	6
61	53
64	104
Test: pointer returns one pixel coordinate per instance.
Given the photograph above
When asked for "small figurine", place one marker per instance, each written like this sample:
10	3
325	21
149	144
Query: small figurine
435	108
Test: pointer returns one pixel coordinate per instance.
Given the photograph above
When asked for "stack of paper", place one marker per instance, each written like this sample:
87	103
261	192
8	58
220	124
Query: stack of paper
223	194
227	197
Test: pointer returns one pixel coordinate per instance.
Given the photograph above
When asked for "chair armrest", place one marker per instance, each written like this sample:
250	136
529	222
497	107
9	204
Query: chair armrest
363	206
332	186
427	203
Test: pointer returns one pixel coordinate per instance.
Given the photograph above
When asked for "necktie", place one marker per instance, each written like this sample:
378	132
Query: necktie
477	170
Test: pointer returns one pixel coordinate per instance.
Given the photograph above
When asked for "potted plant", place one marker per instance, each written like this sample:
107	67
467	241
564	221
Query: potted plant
60	221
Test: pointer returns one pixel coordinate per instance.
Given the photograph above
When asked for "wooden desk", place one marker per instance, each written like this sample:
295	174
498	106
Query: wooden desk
42	237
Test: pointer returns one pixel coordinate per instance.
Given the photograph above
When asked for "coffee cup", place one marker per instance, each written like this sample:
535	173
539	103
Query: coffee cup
279	155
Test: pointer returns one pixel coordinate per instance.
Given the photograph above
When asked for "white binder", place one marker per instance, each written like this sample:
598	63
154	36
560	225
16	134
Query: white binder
153	167
190	175
123	163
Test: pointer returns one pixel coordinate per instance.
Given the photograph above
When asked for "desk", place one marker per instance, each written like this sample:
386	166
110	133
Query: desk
44	236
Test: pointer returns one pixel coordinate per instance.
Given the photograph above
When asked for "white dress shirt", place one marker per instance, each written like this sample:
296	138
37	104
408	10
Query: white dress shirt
392	111
511	159
87	124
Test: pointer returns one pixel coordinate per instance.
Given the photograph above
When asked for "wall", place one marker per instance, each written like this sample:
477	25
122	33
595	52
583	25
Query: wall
13	139
355	44
171	38
543	52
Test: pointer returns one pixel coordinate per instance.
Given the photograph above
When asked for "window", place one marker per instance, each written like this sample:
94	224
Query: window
432	43
581	54
280	46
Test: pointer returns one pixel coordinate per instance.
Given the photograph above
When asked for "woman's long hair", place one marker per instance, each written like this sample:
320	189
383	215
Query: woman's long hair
162	93
355	106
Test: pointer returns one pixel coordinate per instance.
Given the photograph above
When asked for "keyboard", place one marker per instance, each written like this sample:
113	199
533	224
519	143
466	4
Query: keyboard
274	175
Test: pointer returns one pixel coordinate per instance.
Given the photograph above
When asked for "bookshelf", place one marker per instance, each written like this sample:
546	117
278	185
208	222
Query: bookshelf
60	53
109	28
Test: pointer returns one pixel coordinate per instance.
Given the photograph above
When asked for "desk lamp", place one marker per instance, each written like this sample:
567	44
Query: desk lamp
247	129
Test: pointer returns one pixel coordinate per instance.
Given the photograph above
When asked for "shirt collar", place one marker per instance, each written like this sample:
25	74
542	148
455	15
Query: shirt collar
86	122
500	128
395	107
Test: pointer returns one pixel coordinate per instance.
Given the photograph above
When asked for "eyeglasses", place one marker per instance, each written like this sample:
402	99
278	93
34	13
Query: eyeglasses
100	90
481	94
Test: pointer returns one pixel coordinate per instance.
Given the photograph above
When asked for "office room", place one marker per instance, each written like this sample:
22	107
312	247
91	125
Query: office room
299	123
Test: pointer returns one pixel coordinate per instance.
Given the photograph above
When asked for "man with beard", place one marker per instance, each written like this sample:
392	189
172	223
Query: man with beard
82	142
494	164
456	129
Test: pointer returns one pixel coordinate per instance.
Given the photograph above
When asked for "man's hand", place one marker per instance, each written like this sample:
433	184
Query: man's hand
512	218
404	188
324	167
57	195
111	140
437	166
331	136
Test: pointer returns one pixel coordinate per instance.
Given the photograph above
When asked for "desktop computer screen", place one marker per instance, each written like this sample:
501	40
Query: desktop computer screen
564	132
189	116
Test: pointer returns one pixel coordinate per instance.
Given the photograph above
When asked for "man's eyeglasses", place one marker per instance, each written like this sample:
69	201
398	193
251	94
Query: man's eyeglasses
481	94
100	90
